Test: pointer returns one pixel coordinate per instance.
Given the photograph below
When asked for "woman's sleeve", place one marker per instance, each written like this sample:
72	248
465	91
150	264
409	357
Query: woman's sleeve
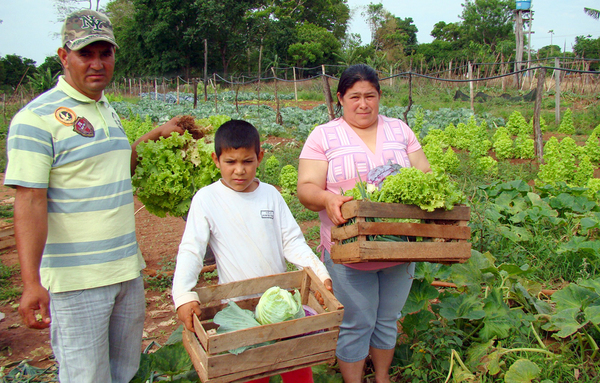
313	147
412	143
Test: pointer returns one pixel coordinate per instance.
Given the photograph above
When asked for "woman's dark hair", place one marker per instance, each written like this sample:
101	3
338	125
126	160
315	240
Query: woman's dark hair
353	74
235	134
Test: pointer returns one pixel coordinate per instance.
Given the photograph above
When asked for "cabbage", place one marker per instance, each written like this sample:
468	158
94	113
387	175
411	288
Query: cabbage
278	305
233	318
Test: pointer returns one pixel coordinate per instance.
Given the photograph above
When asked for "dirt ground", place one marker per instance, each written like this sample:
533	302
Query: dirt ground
158	239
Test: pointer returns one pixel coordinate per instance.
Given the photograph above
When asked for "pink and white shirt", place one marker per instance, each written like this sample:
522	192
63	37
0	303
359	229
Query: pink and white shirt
347	155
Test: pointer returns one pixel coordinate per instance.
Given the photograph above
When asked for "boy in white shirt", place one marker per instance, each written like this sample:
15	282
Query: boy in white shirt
246	223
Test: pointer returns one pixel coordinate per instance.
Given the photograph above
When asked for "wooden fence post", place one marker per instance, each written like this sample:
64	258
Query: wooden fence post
557	91
537	131
216	93
195	85
278	118
327	92
471	91
259	73
409	97
295	85
205	80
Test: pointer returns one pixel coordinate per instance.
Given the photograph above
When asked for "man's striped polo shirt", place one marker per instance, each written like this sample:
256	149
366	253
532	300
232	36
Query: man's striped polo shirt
77	149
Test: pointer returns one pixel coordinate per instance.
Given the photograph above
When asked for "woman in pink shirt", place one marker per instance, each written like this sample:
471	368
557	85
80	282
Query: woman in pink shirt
373	294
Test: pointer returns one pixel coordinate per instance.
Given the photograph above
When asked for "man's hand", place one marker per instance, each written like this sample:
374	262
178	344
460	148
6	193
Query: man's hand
185	313
164	130
167	128
35	298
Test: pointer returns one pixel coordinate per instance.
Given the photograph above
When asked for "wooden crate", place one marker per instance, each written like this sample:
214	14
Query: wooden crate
293	349
445	234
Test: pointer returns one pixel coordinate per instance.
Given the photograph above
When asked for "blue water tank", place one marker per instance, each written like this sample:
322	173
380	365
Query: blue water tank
523	5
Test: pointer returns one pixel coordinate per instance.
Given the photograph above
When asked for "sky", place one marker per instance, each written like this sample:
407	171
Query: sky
30	29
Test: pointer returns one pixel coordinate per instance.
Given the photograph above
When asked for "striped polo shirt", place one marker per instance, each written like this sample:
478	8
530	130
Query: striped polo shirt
76	148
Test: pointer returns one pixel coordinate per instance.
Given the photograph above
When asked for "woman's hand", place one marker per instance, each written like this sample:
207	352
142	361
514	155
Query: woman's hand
333	206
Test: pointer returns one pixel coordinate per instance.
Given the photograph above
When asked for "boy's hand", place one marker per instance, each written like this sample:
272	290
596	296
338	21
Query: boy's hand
185	313
328	286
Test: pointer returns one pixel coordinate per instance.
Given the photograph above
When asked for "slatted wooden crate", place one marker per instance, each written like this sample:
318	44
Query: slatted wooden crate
445	234
297	345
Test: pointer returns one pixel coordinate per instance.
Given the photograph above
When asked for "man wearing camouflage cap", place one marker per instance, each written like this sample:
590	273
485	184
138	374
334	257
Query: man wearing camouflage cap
71	163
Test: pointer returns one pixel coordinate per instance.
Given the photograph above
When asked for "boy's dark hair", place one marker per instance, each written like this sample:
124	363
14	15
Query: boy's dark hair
235	134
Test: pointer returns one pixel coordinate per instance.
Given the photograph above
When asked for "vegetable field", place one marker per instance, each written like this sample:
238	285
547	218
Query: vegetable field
524	308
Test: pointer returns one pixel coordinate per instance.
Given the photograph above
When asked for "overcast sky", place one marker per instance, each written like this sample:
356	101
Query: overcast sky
29	26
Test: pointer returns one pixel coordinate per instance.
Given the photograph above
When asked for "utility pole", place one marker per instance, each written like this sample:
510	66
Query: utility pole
519	43
521	9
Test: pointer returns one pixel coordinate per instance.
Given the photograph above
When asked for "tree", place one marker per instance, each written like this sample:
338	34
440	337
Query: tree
315	45
16	69
488	21
548	51
353	51
594	13
446	32
166	36
396	37
588	47
65	7
376	15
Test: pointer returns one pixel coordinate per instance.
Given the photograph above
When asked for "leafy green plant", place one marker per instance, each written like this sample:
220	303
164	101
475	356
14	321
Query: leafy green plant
271	170
170	171
566	123
288	179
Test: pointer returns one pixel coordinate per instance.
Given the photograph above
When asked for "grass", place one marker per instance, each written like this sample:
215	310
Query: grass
7	291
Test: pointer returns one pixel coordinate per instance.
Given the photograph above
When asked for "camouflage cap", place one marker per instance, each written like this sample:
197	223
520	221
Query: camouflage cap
84	27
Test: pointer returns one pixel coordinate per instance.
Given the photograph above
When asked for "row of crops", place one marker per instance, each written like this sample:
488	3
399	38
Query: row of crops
526	307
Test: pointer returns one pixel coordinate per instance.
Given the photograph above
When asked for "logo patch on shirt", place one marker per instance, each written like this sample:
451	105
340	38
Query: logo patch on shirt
267	214
65	116
83	127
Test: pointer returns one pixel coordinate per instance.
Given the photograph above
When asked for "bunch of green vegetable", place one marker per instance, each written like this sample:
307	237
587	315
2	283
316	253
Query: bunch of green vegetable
429	191
170	171
412	186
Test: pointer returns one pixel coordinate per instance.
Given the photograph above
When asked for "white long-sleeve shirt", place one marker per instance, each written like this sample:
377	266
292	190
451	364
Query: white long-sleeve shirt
251	235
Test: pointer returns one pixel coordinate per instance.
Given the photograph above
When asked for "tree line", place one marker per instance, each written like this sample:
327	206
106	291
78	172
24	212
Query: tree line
236	37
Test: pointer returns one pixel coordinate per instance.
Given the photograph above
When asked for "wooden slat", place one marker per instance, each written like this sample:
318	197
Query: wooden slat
276	369
373	251
247	337
192	346
401	228
270	355
397	210
314	303
330	301
249	286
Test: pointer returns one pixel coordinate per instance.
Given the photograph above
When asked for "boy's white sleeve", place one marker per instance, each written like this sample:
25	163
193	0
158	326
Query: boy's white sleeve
295	248
190	257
